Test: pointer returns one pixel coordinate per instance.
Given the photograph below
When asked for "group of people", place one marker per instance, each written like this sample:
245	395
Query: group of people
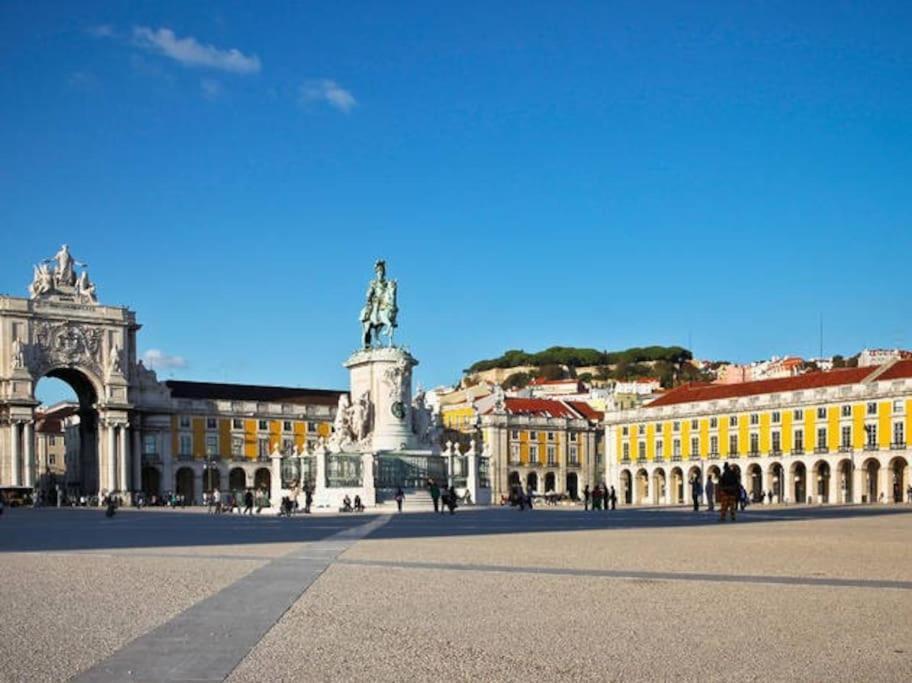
216	502
602	497
348	506
443	498
730	492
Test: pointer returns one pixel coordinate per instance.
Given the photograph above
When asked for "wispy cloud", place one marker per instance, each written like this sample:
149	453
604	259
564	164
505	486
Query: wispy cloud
159	360
211	88
189	52
326	90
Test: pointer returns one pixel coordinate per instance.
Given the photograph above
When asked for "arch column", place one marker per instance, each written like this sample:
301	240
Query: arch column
112	454
123	483
885	485
14	452
136	448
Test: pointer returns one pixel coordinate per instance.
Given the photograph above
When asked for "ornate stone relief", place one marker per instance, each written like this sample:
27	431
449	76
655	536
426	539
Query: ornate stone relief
353	424
65	343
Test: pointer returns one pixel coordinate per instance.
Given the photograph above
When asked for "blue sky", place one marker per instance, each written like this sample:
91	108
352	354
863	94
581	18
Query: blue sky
604	174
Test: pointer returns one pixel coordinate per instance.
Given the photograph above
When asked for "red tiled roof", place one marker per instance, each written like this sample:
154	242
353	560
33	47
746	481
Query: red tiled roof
902	369
537	406
690	393
586	410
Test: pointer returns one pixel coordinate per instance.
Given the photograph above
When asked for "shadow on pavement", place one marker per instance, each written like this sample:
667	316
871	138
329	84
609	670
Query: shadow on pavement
28	530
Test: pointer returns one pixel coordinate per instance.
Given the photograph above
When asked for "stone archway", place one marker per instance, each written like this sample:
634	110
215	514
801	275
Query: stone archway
641	494
822	483
898	479
776	478
694	473
151	482
572	485
550	480
871	475
844	486
262	479
626	482
532	481
659	487
183	484
61	331
754	483
237	479
799	482
677	486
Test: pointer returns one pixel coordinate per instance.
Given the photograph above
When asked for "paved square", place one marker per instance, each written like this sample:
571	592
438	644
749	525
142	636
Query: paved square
492	594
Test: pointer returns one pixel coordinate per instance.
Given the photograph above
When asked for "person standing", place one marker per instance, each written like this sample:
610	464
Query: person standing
696	491
614	499
586	496
400	496
729	487
451	500
248	502
308	500
710	490
435	495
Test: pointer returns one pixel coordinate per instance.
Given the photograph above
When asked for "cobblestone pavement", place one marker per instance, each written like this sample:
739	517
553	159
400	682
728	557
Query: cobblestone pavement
491	594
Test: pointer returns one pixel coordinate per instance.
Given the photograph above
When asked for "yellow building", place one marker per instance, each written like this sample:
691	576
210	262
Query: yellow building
828	437
546	446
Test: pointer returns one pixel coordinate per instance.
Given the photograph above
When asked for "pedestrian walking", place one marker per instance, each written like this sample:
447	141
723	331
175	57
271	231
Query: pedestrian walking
400	496
435	494
729	487
217	501
248	502
308	500
696	491
606	496
451	500
614	499
710	491
586	497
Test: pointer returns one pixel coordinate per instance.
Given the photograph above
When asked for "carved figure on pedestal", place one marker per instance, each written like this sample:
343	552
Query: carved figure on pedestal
65	274
85	289
18	354
42	282
361	417
115	361
342	432
380	309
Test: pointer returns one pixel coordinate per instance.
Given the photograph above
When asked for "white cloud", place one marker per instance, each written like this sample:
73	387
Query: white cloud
159	360
211	88
189	52
326	90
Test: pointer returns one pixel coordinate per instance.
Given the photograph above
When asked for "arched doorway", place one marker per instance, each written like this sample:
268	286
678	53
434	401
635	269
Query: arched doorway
898	481
754	483
677	486
822	482
871	474
549	482
81	472
642	487
776	477
844	482
183	484
151	482
262	479
626	487
693	474
799	482
237	479
713	472
532	481
513	479
572	485
659	489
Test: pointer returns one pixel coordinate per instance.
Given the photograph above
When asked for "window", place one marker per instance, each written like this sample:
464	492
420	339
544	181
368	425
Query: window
263	425
871	431
625	431
237	446
733	444
676	426
572	436
211	423
754	419
798	441
263	448
846	437
533	454
798	414
514	434
676	448
733	421
149	444
211	445
184	421
311	427
641	429
186	444
872	408
660	450
821	413
899	434
755	443
641	452
897	407
237	424
52	459
550	436
533	436
776	417
694	424
714	445
847	411
625	451
573	455
552	455
514	453
286	426
287	446
821	439
51	440
777	442
713	422
695	446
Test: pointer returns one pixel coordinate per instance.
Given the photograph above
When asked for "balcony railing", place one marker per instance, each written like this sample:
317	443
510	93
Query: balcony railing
694	456
821	450
626	459
898	445
797	451
714	456
871	447
660	458
775	452
732	454
754	454
676	458
845	449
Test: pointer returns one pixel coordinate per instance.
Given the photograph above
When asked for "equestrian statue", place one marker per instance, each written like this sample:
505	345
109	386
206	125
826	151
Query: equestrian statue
379	313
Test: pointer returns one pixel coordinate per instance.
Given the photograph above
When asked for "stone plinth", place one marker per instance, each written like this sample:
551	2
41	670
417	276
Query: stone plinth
385	374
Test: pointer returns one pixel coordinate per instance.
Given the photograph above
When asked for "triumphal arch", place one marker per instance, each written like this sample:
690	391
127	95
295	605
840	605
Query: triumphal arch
61	330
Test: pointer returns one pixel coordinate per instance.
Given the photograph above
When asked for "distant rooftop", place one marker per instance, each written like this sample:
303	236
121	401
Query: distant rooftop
253	392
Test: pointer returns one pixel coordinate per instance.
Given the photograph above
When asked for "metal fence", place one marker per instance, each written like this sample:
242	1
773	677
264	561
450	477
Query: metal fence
343	470
396	470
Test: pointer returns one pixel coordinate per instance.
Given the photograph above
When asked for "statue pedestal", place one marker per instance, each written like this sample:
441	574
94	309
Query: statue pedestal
385	374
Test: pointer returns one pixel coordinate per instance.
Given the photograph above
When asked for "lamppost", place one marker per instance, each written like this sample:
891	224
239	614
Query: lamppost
210	465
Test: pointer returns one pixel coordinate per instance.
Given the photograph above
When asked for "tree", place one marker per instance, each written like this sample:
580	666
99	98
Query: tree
839	361
517	380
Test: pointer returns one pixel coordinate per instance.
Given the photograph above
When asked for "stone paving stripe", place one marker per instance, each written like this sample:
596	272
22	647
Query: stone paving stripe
208	640
655	576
